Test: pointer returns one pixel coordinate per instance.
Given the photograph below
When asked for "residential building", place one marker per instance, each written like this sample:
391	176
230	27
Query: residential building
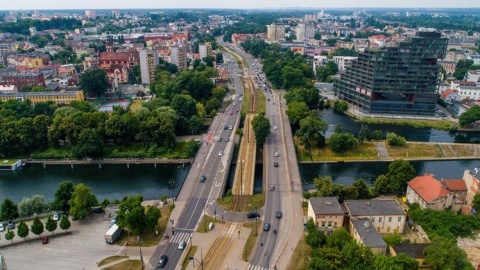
148	64
178	56
364	233
60	98
21	80
473	186
91	62
430	193
473	76
319	61
205	49
470	92
398	79
449	66
275	32
386	216
117	64
8	89
91	14
326	213
343	62
450	96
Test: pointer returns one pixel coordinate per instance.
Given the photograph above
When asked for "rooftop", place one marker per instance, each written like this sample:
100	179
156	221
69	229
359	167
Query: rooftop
428	187
370	237
326	206
373	207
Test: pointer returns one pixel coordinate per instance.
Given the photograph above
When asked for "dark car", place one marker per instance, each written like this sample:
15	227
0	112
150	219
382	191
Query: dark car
203	178
266	227
163	261
253	215
11	224
278	214
275	164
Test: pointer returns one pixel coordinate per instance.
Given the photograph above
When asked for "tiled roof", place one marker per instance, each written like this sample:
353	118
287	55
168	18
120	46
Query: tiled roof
373	207
447	93
326	206
455	184
428	187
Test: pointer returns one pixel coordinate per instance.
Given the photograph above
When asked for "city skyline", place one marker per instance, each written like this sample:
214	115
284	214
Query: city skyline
248	4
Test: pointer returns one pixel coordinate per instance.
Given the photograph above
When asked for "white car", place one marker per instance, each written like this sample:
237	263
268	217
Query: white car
277	154
182	245
220	153
56	216
2	227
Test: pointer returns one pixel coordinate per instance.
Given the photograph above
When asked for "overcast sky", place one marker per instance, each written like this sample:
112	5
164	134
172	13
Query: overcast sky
158	4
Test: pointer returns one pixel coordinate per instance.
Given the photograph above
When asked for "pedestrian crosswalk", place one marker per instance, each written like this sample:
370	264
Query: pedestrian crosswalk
180	237
256	267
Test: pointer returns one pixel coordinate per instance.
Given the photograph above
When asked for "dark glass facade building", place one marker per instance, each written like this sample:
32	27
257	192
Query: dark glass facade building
398	79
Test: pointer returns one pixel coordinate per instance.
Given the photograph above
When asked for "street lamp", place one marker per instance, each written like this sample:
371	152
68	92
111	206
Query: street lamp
241	177
172	186
139	241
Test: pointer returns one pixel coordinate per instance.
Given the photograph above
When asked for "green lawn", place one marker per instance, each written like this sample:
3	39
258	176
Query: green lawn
8	161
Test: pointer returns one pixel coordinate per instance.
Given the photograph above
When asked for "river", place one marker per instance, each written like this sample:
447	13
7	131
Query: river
111	181
349	124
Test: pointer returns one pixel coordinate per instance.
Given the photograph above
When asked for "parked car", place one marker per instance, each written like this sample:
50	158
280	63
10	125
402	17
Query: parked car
163	261
56	216
2	227
253	215
11	224
44	240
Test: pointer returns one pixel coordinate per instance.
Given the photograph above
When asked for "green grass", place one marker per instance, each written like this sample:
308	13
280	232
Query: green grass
261	101
137	103
8	161
436	124
110	260
300	257
126	265
191	252
365	151
251	240
203	224
254	201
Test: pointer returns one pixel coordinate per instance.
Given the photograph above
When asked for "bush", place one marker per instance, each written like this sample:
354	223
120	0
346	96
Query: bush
395	140
340	142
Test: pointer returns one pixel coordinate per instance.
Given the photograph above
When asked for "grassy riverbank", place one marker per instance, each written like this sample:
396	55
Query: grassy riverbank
436	124
182	150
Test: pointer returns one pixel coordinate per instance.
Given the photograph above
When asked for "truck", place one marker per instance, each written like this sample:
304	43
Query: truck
112	234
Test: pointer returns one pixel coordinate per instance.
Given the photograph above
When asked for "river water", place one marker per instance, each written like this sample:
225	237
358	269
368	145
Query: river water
348	124
111	181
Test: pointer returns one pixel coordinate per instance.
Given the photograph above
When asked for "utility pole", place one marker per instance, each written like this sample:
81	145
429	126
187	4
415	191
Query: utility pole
139	241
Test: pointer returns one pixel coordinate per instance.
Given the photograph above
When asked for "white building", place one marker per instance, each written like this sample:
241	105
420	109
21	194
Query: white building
319	61
148	65
343	61
178	56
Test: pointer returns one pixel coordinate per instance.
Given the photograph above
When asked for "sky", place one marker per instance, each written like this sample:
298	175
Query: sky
244	4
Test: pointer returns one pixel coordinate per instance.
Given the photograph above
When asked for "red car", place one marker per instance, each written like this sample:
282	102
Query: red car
236	110
44	239
231	112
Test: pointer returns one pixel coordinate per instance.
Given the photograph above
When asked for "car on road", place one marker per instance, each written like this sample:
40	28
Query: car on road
230	127
225	127
220	153
277	154
253	215
163	261
266	226
275	164
11	224
56	216
2	227
203	178
236	109
278	214
231	112
272	187
227	139
182	245
275	127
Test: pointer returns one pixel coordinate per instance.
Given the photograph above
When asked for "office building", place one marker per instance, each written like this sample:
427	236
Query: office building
148	65
399	79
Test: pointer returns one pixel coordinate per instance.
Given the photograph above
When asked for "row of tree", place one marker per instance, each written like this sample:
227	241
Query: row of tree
38	227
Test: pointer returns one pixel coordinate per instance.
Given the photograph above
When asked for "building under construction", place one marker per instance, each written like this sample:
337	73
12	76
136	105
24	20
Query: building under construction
398	79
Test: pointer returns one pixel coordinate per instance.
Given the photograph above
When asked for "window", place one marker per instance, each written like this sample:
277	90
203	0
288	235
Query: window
329	224
399	219
390	219
323	224
380	219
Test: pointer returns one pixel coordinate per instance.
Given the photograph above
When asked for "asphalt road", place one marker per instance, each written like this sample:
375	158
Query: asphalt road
214	168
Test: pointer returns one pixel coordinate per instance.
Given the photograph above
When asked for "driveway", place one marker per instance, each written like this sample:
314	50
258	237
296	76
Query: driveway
82	249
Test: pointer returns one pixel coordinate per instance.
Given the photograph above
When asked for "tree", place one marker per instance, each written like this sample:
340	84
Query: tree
341	142
476	201
82	201
132	215
382	184
296	112
37	227
470	116
9	236
89	144
399	262
63	194
8	210
65	223
94	82
184	105
261	127
22	230
312	130
30	206
316	238
362	133
212	104
399	173
396	140
340	105
444	254
325	73
51	225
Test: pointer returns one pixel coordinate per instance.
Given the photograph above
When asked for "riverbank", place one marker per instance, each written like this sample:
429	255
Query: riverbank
107	161
381	151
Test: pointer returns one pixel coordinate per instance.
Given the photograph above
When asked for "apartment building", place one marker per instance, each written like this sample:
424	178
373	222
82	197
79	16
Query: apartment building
178	56
148	64
386	216
60	98
326	213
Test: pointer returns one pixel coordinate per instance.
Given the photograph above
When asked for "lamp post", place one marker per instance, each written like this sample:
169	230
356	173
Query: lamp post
172	186
241	177
256	226
139	241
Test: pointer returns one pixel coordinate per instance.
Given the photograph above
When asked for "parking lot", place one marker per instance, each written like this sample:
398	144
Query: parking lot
83	248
